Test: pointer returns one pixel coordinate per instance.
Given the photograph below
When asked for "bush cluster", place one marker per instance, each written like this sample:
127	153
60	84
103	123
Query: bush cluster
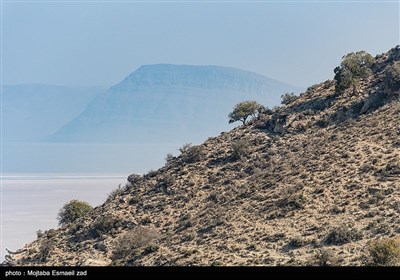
73	210
353	68
384	252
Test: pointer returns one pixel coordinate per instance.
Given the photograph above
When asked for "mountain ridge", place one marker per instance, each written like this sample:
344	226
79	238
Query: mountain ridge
166	74
189	97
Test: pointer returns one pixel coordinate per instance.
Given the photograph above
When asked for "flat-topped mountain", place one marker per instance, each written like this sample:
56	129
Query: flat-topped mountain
166	103
313	182
205	77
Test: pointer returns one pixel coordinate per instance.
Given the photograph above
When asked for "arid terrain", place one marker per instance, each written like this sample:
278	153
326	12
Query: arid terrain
312	182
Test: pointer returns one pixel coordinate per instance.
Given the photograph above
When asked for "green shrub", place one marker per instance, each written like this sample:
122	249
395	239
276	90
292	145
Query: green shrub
392	76
342	235
240	148
169	158
133	241
45	249
354	66
325	257
288	98
186	147
103	224
39	234
243	110
192	154
134	178
297	242
50	233
165	182
150	174
322	122
72	211
384	252
391	169
116	192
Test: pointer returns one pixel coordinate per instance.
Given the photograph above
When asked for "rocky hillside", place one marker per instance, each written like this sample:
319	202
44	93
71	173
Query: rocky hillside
312	182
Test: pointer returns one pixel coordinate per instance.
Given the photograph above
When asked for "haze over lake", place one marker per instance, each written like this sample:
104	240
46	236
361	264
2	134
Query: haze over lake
84	158
32	201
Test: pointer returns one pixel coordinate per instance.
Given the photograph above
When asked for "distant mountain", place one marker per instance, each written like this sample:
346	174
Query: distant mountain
169	103
33	111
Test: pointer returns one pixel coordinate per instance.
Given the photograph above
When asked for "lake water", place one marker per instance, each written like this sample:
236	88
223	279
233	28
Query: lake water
32	199
32	202
84	158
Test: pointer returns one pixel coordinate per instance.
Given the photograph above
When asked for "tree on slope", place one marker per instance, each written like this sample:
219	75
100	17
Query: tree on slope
243	110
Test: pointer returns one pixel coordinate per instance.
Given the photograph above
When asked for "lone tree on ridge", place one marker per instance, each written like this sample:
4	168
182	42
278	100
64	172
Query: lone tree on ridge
243	110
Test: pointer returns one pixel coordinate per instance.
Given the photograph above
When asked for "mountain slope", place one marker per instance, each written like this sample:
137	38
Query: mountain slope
33	111
312	182
169	103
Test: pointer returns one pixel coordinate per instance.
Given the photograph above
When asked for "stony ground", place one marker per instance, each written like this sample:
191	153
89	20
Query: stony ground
310	183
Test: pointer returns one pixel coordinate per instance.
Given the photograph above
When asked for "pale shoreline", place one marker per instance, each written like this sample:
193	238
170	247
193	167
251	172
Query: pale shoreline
31	201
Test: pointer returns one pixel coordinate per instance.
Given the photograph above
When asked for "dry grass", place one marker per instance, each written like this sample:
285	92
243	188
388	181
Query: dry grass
298	194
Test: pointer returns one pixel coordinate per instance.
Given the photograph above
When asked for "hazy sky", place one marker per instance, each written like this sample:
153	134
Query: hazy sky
85	43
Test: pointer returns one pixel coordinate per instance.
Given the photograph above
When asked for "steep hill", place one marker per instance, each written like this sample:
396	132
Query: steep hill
311	182
169	103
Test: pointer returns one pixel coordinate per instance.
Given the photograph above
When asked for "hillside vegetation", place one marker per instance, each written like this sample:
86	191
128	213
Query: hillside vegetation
313	182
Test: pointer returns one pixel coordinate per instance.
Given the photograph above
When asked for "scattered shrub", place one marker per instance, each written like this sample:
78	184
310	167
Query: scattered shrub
292	202
297	242
40	234
186	147
134	178
192	154
103	224
392	169
291	199
150	174
240	148
133	200
243	110
151	248
392	76
72	211
325	257
116	192
50	233
165	182
169	158
288	98
146	220
45	249
384	252
266	110
342	235
354	66
132	241
322	122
